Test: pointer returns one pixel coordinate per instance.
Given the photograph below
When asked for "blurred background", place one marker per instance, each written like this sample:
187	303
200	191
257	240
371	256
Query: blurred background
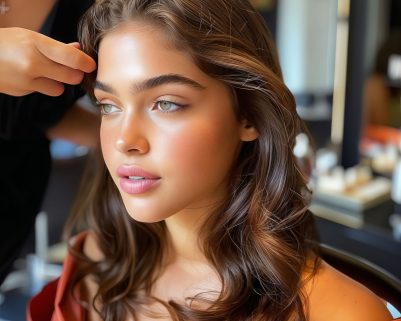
342	61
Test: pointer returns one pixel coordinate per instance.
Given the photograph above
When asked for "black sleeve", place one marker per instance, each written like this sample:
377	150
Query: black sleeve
29	116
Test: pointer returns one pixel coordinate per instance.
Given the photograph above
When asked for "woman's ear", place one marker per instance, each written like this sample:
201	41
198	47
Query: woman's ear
248	133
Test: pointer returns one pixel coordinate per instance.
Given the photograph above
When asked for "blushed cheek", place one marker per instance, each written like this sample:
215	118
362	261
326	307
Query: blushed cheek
198	151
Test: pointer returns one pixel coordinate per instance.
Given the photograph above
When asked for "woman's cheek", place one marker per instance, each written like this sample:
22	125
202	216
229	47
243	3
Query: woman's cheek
106	142
191	148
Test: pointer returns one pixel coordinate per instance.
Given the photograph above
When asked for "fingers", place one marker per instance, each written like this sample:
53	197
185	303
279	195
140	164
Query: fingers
60	73
48	87
30	62
75	45
64	54
64	68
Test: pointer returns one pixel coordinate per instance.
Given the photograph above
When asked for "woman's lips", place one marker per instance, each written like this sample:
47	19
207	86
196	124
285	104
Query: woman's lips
137	186
135	180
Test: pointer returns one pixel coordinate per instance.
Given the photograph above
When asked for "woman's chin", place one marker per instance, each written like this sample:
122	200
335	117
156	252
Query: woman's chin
145	217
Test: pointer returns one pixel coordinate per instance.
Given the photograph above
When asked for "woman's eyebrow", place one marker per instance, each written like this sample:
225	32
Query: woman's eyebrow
104	87
152	82
165	79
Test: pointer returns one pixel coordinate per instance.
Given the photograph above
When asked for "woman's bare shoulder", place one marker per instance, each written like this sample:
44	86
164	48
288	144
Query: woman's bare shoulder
336	297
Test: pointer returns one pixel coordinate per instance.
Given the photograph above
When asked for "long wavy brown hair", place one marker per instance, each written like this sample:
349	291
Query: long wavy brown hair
259	240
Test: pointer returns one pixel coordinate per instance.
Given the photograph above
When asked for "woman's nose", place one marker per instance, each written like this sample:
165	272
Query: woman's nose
132	138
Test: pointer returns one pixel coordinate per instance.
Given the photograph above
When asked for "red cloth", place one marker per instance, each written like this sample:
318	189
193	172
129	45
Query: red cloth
55	301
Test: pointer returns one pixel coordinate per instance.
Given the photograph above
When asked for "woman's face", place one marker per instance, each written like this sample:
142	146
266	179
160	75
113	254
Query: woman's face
169	134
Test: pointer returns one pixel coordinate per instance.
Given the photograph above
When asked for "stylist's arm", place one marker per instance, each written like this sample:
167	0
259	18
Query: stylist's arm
30	61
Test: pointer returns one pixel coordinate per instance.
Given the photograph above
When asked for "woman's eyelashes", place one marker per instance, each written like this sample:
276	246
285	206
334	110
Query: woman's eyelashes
166	106
106	109
162	105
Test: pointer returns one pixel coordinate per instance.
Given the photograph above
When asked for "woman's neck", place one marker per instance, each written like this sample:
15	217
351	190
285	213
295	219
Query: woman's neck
186	271
183	232
185	227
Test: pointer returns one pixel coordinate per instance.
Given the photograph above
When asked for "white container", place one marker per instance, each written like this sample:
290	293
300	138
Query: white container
396	188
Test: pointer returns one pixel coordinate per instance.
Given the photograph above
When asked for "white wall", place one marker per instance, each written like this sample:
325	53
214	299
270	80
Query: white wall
306	34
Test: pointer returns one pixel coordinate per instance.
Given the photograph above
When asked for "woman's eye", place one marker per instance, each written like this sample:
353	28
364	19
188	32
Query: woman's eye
106	109
167	106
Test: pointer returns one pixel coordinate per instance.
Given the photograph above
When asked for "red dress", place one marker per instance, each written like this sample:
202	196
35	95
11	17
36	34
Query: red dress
55	301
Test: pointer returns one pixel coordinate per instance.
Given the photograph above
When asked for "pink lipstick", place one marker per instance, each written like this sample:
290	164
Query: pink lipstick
134	180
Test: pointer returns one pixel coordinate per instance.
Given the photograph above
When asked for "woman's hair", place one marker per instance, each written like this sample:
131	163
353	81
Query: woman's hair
259	239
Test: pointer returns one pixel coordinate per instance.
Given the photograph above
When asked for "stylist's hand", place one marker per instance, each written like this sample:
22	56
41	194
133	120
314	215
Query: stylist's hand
30	61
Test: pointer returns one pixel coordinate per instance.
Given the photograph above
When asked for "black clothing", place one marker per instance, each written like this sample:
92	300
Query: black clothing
24	149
